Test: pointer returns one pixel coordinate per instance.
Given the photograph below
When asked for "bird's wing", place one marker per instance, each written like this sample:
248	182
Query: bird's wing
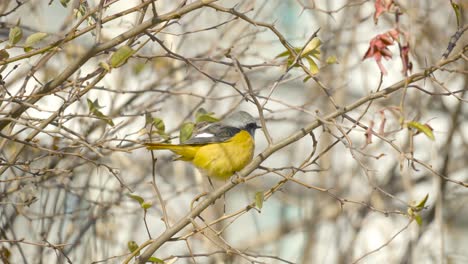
213	133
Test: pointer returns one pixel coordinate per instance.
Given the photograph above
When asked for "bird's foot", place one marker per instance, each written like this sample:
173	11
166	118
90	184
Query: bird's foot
236	178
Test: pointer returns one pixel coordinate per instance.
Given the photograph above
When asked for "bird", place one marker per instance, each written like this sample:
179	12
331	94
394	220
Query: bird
218	149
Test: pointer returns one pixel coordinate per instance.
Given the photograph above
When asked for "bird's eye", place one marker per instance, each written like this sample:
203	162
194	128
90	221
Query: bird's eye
252	126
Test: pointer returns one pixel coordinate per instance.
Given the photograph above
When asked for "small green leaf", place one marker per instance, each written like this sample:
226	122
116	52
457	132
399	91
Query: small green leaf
64	2
283	54
138	68
413	211
418	219
332	60
34	38
137	198
204	116
201	111
290	62
121	56
422	203
158	123
94	110
94	104
4	54
104	65
155	260
146	205
132	247
259	200
312	46
148	118
109	121
316	54
313	67
16	33
81	10
5	254
186	131
410	212
457	10
427	130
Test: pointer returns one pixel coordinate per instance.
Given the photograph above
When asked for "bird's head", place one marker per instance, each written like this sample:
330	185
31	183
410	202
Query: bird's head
242	120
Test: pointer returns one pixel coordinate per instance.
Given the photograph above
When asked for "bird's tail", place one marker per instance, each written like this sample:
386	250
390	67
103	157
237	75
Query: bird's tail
186	152
153	146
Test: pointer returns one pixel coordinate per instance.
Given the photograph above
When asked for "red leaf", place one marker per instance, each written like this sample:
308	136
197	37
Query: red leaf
368	133
378	48
382	123
407	65
381	6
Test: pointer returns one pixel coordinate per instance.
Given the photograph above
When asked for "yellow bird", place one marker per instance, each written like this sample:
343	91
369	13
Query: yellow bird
219	149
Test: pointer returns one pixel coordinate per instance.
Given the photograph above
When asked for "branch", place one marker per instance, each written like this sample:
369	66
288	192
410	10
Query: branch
213	196
62	77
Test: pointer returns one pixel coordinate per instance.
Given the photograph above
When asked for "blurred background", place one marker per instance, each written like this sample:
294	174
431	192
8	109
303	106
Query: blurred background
339	195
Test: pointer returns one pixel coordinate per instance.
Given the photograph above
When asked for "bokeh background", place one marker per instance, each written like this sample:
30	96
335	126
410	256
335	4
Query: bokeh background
64	193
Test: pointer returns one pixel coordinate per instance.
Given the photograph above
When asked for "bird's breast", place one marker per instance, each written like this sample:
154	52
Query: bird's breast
221	160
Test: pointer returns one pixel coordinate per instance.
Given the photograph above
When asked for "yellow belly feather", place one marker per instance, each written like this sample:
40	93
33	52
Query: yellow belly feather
218	160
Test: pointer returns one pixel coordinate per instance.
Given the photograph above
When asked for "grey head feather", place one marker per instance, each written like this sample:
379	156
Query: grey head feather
239	119
242	120
225	129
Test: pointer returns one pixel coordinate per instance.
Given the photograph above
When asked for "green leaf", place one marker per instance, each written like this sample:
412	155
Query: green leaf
64	2
158	123
108	120
422	203
138	68
132	247
259	200
410	212
310	51
332	60
283	54
311	47
313	67
121	56
457	10
418	219
94	104
413	211
316	54
155	260
81	11
16	33
427	130
290	62
186	131
93	107
201	111
5	254
137	198
4	54
204	116
104	65
34	38
148	118
146	205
